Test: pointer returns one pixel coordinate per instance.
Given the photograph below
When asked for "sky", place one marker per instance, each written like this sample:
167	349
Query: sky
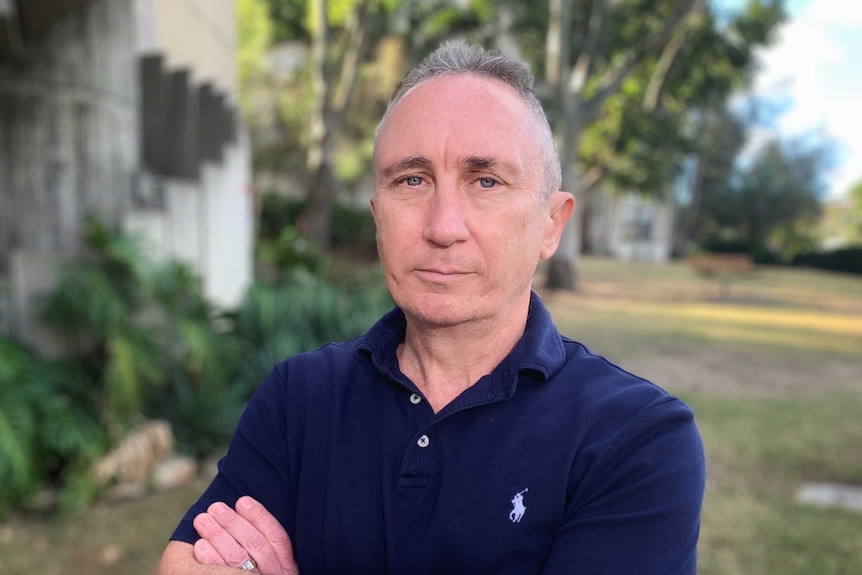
813	71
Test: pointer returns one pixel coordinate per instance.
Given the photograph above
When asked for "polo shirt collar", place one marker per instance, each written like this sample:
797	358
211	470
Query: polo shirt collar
540	350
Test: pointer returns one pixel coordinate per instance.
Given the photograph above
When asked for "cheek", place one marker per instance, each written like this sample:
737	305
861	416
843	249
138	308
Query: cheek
393	242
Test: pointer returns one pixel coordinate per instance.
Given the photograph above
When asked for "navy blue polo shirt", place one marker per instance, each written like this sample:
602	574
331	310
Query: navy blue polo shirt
557	462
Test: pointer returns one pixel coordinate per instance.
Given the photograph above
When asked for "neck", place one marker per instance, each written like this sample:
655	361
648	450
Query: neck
444	361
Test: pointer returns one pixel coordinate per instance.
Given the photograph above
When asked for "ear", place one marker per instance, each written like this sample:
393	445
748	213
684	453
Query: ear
560	207
373	207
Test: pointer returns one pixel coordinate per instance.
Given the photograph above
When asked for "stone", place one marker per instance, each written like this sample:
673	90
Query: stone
174	471
831	495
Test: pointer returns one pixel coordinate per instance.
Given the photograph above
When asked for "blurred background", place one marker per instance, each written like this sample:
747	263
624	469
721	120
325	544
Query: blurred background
184	191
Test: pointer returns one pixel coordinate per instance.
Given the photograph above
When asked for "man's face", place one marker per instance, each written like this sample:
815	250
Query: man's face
460	221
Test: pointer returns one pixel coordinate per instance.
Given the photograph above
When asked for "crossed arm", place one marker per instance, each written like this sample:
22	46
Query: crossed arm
228	538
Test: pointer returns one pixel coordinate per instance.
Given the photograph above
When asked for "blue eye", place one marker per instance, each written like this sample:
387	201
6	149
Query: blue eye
413	181
487	182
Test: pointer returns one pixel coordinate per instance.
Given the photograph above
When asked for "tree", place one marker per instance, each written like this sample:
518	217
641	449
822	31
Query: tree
355	50
334	72
719	137
855	196
770	205
602	56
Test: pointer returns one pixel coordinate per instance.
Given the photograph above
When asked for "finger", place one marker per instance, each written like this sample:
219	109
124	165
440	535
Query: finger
206	554
276	536
223	543
237	540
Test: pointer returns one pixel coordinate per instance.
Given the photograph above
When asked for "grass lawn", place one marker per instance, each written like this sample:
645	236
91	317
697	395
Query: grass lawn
771	365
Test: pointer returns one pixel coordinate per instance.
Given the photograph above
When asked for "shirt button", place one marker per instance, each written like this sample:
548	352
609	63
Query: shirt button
415	398
423	441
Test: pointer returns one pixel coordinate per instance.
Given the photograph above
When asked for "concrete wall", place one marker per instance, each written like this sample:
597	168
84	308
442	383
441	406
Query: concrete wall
71	143
68	145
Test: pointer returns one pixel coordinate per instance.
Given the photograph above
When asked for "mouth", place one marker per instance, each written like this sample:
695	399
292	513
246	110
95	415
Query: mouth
441	275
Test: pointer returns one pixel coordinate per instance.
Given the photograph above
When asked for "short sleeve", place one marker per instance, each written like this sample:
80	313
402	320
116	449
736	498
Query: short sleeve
256	462
639	511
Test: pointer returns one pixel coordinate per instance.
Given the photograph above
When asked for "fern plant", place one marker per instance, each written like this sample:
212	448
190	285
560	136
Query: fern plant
95	304
300	313
47	420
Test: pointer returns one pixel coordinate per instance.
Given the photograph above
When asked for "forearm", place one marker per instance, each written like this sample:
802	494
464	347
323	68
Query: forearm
179	559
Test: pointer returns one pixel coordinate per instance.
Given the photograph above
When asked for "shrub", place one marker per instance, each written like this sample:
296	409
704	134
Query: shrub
144	340
300	313
352	227
49	424
847	259
759	252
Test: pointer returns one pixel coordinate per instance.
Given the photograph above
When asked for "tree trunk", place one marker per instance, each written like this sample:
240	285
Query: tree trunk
332	98
587	246
318	162
561	266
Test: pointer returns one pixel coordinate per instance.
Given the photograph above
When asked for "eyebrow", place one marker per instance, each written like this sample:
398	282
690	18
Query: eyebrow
408	163
479	162
423	162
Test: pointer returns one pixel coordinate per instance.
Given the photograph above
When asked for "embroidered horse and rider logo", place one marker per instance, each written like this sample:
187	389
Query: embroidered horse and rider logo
518	508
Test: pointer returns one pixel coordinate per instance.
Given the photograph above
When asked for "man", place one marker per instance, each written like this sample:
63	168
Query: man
461	433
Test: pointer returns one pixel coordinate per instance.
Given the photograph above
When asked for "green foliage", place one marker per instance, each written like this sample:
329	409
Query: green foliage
47	420
288	19
300	313
641	148
203	416
291	251
145	341
353	227
636	151
96	301
146	327
847	259
111	274
771	202
254	38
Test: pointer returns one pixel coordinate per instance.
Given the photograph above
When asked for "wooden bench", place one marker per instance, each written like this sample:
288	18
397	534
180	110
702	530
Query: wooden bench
718	264
722	267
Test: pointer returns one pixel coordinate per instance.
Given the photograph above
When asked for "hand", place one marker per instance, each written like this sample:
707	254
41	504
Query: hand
230	537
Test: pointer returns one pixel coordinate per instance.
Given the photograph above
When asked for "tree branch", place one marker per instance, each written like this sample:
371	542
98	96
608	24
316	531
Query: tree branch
354	55
591	178
612	79
669	54
595	30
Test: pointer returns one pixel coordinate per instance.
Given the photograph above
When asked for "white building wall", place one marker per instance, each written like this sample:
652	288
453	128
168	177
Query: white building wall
199	35
642	229
632	227
207	222
229	234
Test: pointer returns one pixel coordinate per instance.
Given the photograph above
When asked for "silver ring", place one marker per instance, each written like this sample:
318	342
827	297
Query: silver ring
249	565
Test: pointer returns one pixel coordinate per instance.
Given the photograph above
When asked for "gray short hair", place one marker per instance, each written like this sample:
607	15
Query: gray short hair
454	58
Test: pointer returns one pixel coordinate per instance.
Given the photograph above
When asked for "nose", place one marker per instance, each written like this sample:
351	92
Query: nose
445	218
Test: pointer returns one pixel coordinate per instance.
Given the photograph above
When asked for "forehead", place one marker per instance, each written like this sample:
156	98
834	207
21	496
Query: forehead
459	116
